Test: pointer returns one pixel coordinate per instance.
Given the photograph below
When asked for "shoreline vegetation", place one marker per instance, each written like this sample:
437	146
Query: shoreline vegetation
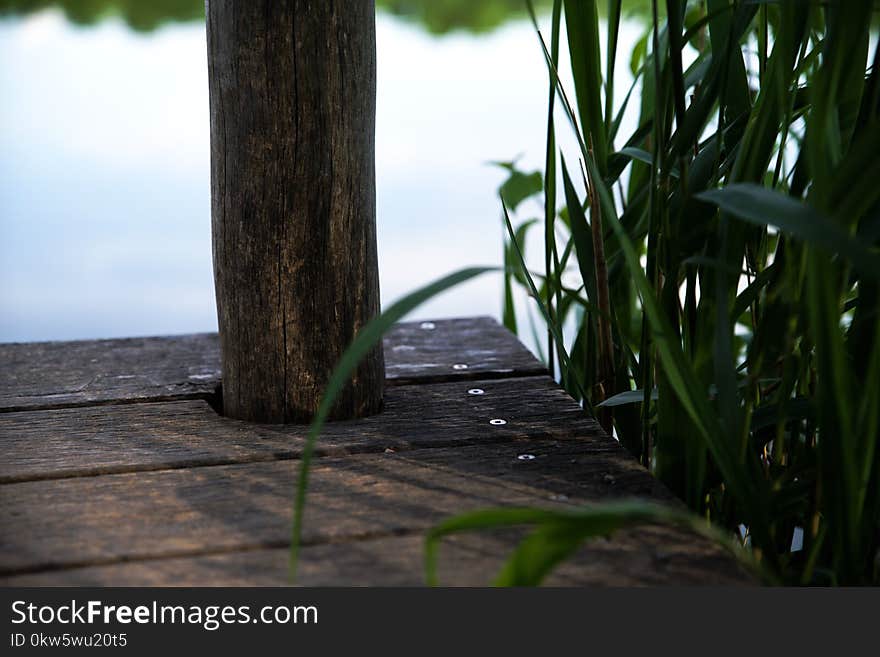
711	282
718	269
435	16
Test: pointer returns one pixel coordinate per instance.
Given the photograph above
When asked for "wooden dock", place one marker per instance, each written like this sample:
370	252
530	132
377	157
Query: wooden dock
117	470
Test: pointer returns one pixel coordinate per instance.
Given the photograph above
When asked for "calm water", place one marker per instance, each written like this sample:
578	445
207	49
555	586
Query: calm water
104	169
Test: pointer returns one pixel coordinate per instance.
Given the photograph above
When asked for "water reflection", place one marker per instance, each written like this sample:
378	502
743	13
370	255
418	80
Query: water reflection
435	16
104	176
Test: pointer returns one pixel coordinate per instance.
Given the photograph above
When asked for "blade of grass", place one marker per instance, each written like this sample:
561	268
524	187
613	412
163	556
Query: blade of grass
367	338
557	334
551	256
582	25
765	207
684	381
558	532
611	50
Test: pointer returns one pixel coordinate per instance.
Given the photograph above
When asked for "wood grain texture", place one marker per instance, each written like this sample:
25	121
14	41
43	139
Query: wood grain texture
69	522
139	437
89	372
107	492
647	556
37	375
293	202
182	514
419	352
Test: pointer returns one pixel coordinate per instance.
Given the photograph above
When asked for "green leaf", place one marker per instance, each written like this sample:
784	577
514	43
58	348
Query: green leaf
511	271
641	155
639	52
582	236
551	324
543	549
628	397
765	207
519	186
582	24
558	533
476	520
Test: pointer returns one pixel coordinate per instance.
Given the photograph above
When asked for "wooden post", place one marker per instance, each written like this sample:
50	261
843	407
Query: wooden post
292	95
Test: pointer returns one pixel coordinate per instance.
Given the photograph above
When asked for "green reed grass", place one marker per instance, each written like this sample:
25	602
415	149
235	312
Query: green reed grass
739	233
725	320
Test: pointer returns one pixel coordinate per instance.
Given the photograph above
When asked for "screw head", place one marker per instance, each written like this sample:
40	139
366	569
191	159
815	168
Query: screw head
526	457
476	391
428	326
497	422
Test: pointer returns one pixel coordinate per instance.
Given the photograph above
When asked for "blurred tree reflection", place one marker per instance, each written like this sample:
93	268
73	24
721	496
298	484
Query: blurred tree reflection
435	16
140	15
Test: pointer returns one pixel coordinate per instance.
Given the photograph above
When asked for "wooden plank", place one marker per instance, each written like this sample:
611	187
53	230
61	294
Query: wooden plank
179	514
150	436
58	374
81	373
630	558
418	352
103	491
69	522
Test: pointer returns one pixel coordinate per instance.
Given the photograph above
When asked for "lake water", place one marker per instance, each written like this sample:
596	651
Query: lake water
104	169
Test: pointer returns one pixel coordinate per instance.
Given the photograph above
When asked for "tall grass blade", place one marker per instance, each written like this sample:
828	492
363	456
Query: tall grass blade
764	207
368	337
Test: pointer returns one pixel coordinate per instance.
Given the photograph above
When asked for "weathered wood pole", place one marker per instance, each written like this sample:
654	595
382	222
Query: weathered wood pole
292	96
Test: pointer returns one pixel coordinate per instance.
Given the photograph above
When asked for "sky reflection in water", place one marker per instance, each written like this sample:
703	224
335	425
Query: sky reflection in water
104	170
